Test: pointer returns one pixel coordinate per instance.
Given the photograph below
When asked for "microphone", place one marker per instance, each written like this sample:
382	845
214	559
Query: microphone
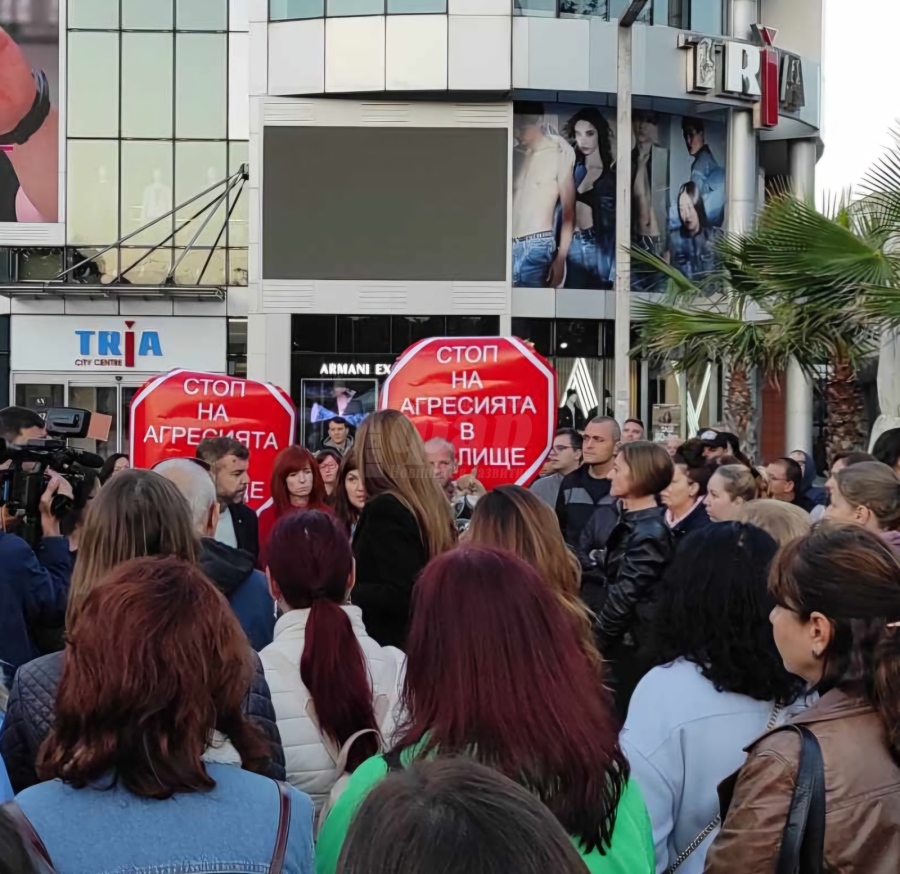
88	459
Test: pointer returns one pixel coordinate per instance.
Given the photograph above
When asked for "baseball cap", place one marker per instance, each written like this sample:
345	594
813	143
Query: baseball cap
720	440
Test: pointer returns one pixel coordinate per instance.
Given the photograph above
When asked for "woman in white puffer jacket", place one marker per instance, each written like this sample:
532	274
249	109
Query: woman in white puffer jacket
332	685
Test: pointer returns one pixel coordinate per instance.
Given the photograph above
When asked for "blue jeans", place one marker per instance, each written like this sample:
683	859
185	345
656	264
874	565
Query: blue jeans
532	258
583	262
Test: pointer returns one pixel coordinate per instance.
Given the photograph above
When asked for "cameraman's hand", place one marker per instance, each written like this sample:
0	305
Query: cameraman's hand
57	485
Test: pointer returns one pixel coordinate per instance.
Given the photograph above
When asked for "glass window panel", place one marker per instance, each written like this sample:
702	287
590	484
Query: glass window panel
404	6
238	267
361	334
92	198
188	272
146	190
313	333
143	15
201	79
40	265
94	14
93	98
473	326
102	269
285	10
147	108
151	271
582	8
197	167
538	8
40	396
354	7
406	330
238	226
706	16
97	399
201	14
617	9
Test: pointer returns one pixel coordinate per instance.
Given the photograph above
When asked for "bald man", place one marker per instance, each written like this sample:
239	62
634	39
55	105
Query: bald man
231	569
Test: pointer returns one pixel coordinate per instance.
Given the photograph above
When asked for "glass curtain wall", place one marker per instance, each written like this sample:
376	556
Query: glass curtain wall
703	16
158	112
287	10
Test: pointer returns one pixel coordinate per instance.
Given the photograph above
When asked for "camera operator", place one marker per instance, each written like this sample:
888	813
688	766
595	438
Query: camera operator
34	583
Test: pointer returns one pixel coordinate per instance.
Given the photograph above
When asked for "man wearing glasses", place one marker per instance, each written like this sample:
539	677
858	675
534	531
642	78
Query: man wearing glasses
565	457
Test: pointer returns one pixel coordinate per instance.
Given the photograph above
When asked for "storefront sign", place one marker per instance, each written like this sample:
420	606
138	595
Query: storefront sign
354	368
758	72
172	413
111	343
494	398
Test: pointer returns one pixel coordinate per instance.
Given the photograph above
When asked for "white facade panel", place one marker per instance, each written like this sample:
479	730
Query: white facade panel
239	87
416	53
238	15
559	53
354	54
297	57
520	52
480	53
479	7
259	65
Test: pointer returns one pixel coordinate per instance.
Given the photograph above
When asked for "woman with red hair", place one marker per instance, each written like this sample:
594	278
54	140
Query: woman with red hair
296	485
496	671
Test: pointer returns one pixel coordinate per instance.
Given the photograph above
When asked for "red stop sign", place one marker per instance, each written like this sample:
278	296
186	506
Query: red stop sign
172	413
493	398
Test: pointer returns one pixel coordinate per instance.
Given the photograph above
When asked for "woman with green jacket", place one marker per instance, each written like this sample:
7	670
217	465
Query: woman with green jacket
495	671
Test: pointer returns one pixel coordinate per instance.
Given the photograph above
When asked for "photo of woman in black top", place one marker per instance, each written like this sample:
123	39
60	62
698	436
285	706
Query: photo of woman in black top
591	257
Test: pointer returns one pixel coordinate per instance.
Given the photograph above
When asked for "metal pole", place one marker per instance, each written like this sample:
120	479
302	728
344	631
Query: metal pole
622	401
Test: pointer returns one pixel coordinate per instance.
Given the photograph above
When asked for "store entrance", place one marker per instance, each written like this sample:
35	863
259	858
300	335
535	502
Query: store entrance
109	395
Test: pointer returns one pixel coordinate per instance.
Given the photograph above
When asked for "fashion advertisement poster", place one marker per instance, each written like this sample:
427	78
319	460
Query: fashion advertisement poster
325	399
564	204
29	120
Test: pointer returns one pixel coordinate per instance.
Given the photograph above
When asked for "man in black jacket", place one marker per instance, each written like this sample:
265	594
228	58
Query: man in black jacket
582	491
229	462
232	570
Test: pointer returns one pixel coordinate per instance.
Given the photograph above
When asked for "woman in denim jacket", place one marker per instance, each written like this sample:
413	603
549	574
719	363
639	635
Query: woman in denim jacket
152	765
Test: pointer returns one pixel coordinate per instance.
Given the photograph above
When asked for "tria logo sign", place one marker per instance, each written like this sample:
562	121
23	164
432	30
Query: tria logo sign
116	348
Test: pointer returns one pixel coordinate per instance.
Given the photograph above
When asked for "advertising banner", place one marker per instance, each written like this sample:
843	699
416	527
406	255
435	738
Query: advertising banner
564	204
666	422
29	112
172	413
493	398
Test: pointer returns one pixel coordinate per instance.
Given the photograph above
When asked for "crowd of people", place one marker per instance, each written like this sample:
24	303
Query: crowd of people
659	657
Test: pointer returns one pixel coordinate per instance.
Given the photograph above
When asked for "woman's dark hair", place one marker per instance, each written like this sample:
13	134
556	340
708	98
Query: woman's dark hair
343	509
82	492
155	662
852	577
714	611
453	816
692	190
604	135
851	458
14	857
887	448
509	684
699	476
690	453
109	467
311	562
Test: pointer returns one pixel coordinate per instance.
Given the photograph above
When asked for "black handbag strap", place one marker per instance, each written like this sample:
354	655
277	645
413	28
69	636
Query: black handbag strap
284	827
803	841
393	761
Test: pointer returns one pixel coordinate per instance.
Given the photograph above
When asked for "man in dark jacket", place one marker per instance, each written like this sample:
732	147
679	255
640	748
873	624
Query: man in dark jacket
228	464
232	570
34	583
581	492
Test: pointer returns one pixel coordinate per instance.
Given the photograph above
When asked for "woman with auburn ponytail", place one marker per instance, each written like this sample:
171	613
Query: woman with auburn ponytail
836	625
333	687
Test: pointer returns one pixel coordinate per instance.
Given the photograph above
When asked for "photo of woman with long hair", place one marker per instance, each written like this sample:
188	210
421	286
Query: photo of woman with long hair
591	256
692	243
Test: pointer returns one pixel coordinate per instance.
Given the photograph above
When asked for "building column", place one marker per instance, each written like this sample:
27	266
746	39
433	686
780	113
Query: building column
269	348
799	390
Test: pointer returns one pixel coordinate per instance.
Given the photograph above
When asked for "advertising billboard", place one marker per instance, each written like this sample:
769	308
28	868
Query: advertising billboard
29	112
564	199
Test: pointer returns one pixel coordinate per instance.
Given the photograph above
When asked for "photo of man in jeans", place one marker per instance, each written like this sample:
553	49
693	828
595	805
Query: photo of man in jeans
543	201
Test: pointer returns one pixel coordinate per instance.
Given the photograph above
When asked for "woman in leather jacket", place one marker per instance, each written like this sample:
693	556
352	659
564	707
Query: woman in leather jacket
639	549
837	625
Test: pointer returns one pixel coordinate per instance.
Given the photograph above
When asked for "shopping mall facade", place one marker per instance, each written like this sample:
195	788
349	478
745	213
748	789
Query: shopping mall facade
402	168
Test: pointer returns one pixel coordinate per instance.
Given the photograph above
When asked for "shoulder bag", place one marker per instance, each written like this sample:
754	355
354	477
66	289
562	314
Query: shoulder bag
717	819
39	850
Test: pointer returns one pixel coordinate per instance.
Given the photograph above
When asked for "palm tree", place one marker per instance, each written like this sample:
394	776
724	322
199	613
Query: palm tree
801	285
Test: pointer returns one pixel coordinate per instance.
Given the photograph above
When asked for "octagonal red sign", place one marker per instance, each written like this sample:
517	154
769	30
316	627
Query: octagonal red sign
494	398
172	413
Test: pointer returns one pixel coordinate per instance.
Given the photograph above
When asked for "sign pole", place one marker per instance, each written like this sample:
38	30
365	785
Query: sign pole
622	407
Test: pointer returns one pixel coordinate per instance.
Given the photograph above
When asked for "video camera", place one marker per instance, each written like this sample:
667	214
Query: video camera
23	482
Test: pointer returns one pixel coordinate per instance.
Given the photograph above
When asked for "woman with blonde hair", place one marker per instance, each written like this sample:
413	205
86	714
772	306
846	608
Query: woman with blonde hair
406	522
731	486
515	519
782	521
136	514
